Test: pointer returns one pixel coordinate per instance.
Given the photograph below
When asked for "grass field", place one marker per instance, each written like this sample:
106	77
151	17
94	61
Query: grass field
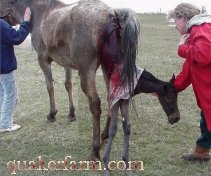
153	141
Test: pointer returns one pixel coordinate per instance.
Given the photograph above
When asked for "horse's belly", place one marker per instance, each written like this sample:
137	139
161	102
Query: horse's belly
63	60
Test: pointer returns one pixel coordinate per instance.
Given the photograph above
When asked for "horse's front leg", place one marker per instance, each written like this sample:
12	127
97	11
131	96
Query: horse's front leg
68	86
46	68
112	133
87	78
124	107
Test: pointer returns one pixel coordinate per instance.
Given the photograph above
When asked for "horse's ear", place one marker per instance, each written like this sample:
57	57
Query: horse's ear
172	79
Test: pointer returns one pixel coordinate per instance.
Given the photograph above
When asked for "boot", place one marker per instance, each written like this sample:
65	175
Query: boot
200	154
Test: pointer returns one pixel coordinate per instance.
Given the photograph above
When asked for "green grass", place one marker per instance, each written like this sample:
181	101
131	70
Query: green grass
153	141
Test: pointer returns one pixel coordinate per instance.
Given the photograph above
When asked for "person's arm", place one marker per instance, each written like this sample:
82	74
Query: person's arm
200	49
182	80
12	37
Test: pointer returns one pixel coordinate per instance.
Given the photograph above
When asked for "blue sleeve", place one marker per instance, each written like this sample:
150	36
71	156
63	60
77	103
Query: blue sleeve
12	37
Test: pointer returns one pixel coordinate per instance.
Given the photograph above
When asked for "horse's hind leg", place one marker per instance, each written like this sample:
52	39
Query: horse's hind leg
124	107
87	78
112	134
68	86
105	133
45	65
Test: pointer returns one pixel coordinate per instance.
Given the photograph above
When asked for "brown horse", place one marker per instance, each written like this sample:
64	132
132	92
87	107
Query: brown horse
69	35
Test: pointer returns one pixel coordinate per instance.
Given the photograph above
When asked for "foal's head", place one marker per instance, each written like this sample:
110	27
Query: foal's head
168	99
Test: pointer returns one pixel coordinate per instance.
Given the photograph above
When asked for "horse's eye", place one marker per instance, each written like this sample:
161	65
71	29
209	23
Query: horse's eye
9	5
169	100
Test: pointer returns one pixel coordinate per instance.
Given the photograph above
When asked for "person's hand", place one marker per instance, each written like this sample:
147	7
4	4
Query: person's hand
183	39
27	15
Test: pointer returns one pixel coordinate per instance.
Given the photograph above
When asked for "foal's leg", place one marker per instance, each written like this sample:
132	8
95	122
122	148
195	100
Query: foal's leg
68	86
124	107
88	85
112	133
46	68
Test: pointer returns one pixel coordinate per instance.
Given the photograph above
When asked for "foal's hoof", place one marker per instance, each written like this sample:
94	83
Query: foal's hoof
129	172
51	117
107	173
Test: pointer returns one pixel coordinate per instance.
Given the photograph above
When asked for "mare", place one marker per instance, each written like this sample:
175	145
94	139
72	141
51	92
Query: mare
69	35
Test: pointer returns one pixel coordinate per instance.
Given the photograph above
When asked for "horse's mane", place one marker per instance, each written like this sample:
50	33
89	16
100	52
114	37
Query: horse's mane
54	3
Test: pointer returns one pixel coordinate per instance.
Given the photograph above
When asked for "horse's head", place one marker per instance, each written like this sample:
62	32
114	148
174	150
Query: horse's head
168	99
13	10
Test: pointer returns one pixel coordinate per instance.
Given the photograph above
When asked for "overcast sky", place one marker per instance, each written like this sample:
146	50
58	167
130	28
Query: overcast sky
152	5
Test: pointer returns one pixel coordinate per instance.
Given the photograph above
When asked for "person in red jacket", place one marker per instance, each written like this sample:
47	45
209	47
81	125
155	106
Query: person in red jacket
195	48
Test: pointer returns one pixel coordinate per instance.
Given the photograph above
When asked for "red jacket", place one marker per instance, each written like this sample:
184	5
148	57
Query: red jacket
197	68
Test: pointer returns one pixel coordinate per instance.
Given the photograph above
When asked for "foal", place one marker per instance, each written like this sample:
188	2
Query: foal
147	83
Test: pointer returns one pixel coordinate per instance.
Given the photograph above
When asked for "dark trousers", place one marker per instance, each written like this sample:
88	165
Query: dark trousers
204	139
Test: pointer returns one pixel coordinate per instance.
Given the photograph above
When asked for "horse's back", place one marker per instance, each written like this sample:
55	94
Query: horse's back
84	17
89	17
72	31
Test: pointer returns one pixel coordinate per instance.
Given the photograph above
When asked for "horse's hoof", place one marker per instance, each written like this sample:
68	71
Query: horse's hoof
72	119
50	120
95	158
71	116
51	117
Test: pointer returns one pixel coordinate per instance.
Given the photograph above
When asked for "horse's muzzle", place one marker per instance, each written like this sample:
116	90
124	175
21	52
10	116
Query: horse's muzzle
174	118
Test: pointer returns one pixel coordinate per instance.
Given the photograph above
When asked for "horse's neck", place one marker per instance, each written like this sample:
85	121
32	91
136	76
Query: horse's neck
40	9
148	83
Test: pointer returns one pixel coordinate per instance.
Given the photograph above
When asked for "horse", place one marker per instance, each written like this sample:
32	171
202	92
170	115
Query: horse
69	35
147	83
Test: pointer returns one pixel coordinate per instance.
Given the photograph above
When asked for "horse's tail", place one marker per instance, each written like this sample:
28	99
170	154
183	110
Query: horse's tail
130	29
117	45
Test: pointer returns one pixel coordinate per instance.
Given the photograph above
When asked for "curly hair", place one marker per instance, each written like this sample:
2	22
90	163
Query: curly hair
185	10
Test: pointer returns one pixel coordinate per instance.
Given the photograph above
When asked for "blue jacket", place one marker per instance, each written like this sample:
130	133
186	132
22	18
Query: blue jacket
9	37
